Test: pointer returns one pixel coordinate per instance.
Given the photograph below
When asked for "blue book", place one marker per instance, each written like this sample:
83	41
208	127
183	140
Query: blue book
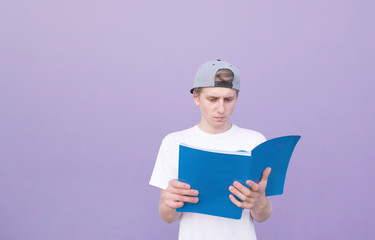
212	172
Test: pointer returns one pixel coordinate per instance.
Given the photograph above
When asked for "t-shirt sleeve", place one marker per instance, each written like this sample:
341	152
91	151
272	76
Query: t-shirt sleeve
165	167
262	138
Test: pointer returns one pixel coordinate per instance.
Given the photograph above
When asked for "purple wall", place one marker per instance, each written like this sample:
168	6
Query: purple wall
89	88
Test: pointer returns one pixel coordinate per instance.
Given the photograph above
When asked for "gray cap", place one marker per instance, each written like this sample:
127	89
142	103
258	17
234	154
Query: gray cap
205	76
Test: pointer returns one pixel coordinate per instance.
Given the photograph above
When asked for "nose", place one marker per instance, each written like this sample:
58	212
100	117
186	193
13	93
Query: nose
220	107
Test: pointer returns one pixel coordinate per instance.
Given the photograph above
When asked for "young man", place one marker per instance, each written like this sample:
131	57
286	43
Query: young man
215	91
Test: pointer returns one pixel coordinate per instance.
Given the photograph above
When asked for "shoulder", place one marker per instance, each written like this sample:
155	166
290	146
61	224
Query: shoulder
177	137
248	133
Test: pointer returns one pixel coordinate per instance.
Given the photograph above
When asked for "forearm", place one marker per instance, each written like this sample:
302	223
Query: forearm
168	214
263	212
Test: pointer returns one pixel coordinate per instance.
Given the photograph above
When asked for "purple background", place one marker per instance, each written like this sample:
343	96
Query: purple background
88	89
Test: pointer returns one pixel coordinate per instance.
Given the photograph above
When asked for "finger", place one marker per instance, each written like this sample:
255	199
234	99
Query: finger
266	174
244	190
238	203
235	201
177	184
180	198
183	192
255	187
239	194
174	204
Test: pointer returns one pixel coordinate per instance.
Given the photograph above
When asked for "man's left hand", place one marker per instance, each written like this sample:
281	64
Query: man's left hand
253	198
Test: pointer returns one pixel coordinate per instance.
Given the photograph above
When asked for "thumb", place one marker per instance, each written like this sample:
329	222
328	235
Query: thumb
266	174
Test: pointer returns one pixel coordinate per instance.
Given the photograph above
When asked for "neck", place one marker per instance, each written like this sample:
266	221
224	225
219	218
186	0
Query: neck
213	129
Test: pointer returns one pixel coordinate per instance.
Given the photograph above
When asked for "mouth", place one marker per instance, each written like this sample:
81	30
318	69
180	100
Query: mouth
219	118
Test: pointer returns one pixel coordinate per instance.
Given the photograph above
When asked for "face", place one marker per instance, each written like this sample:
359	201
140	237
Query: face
216	105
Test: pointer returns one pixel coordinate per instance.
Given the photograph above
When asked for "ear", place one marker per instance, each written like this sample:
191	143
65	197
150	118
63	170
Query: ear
196	99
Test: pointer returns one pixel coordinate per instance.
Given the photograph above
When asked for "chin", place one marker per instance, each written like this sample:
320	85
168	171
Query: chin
219	124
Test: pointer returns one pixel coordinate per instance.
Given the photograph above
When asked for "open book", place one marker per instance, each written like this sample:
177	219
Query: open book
212	172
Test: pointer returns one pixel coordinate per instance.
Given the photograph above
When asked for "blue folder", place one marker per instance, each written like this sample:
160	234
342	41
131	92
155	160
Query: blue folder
212	172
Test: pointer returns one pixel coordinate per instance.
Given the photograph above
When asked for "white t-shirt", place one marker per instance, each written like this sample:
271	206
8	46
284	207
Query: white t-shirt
196	226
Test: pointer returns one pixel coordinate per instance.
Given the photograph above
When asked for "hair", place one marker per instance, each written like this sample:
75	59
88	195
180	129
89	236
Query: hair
222	75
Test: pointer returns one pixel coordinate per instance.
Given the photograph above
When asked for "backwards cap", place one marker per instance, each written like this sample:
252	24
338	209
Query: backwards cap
205	76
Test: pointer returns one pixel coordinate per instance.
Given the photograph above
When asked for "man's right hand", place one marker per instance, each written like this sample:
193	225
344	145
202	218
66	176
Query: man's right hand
177	193
175	196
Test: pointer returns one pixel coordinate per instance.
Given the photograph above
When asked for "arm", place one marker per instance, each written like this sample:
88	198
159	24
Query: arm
254	198
176	194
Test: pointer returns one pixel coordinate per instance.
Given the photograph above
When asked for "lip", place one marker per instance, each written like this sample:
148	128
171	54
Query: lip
219	118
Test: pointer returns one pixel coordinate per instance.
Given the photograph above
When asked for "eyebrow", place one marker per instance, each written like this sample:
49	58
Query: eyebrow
210	96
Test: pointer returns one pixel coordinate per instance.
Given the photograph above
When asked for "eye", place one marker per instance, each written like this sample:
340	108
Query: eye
228	99
212	99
